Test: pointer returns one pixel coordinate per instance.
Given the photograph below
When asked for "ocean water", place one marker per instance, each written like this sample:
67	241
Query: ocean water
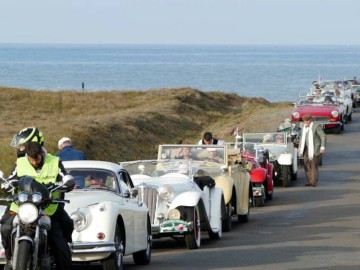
277	73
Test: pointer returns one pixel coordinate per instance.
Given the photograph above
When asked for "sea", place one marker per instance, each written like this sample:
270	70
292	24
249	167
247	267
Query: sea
274	72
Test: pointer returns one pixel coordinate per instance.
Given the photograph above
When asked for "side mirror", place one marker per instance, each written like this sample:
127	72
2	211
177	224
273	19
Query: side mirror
224	169
133	192
67	178
69	182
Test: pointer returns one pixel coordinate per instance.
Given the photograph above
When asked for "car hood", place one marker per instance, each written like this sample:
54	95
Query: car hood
316	110
180	183
84	198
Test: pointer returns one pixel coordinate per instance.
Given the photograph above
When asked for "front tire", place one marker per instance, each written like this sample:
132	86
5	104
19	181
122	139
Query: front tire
23	255
193	238
143	257
259	201
226	222
215	235
245	218
115	260
285	173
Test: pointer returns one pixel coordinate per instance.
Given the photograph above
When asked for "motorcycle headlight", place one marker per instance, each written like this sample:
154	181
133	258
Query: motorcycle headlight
36	197
166	193
296	115
23	197
28	213
335	113
80	220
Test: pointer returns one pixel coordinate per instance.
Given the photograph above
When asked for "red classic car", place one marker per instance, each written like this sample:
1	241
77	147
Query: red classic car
325	110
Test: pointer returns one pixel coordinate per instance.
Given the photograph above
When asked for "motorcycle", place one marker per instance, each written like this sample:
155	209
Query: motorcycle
29	242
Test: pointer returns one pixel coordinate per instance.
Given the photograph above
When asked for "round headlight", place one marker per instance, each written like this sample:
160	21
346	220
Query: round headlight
174	214
79	220
296	115
28	213
335	113
166	193
36	197
23	197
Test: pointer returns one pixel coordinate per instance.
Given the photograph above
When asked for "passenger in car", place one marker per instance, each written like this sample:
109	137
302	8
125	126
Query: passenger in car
279	138
185	153
213	155
328	100
268	138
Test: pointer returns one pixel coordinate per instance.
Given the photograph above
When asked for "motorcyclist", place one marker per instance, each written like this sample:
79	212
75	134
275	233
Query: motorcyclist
46	169
29	134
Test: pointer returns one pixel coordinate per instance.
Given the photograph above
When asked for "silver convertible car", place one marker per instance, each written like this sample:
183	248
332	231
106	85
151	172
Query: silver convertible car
109	222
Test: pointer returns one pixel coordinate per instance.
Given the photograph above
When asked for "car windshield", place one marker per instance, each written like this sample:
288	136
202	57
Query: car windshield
326	98
205	153
161	169
92	179
250	150
276	138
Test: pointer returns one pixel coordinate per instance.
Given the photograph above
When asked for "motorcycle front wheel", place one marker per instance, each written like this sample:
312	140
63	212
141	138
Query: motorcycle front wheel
23	257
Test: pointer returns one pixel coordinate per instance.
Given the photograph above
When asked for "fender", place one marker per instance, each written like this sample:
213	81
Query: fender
226	184
258	175
242	186
285	159
270	171
188	198
215	211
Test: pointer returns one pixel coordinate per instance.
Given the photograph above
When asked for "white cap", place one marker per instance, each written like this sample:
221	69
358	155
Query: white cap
62	140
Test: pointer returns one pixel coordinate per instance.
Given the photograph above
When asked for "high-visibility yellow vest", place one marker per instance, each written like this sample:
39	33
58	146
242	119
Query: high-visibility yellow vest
48	174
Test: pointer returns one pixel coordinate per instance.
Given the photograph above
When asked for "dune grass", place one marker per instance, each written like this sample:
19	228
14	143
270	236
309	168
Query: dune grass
127	125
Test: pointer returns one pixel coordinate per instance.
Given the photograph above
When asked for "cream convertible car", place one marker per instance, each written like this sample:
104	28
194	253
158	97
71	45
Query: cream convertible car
224	164
109	222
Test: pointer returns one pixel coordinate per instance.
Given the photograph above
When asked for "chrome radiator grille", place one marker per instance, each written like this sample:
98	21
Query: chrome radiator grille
149	196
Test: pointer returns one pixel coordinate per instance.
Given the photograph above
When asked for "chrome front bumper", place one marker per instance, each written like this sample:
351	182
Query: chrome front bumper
94	247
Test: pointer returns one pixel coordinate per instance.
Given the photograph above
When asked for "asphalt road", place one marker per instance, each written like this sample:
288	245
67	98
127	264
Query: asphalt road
301	228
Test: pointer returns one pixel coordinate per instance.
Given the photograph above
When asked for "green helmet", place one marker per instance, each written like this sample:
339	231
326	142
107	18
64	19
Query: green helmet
29	134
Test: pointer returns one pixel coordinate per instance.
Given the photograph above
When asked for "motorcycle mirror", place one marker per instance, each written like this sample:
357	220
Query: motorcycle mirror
70	184
67	178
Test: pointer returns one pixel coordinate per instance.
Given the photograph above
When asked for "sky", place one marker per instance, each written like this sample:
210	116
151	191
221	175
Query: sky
278	22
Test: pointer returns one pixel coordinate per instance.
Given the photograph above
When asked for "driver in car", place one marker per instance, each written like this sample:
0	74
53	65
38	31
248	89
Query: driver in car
96	181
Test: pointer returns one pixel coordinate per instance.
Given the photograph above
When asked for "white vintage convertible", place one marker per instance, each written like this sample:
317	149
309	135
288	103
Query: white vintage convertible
109	222
182	202
192	188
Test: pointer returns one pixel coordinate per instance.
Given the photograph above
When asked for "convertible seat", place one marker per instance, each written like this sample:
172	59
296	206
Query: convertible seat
203	181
